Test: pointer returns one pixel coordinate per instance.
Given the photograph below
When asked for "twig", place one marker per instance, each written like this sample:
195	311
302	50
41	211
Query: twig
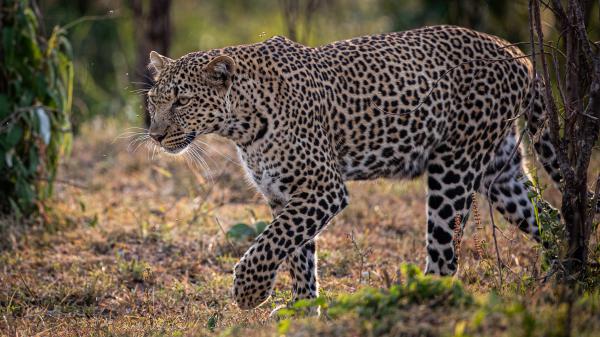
386	278
567	171
9	120
477	218
457	235
89	18
41	333
489	197
360	253
579	26
559	84
31	293
595	199
64	182
547	45
234	248
8	327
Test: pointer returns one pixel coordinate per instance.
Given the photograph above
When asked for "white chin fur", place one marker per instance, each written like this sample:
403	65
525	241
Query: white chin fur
176	153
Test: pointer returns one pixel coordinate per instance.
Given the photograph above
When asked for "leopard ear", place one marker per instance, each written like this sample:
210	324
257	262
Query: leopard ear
158	63
218	71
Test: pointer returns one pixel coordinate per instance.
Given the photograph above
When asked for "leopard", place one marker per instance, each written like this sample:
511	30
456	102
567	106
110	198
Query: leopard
440	102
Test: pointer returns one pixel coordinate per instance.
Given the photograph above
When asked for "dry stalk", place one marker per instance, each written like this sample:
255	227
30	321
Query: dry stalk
233	247
457	235
362	255
479	244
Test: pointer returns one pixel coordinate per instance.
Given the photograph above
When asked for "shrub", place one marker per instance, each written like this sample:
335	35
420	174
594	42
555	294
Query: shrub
391	311
414	289
36	84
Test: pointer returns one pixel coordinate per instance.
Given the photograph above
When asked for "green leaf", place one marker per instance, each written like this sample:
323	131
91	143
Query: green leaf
212	322
66	45
44	125
16	210
260	226
8	40
93	221
25	194
12	137
283	326
8	157
241	231
34	160
3	106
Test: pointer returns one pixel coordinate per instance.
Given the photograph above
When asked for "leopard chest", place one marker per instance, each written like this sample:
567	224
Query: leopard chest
265	177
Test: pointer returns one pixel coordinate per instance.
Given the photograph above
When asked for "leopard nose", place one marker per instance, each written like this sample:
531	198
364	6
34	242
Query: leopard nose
157	131
158	136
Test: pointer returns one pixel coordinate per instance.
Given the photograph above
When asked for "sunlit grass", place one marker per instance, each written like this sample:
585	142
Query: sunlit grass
135	248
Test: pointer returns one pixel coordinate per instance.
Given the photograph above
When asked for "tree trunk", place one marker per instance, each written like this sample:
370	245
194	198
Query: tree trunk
153	32
297	17
574	139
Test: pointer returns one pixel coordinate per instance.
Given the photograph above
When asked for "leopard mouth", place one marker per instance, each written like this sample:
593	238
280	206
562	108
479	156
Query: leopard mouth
182	145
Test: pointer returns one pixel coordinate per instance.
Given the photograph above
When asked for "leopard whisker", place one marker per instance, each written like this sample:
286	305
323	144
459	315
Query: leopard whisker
199	160
129	135
142	83
202	152
198	157
150	147
137	142
143	141
153	152
196	166
192	163
228	158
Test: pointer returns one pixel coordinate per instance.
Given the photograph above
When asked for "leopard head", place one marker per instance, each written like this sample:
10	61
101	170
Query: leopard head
189	98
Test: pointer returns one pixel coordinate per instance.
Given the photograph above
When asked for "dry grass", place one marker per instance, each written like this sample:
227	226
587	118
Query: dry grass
138	251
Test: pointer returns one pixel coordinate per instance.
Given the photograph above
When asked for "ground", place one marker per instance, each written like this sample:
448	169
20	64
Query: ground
135	243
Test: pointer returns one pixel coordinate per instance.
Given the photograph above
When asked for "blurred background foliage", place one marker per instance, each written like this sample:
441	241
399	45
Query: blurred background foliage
108	39
109	66
36	84
108	42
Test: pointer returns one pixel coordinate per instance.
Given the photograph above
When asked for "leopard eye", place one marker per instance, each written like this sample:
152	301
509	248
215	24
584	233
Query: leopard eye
181	101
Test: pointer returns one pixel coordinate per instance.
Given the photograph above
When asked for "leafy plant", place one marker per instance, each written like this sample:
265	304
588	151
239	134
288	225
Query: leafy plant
379	310
211	324
134	270
552	232
36	84
415	288
243	232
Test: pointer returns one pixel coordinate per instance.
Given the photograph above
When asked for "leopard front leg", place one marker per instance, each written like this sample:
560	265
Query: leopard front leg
303	269
302	264
300	220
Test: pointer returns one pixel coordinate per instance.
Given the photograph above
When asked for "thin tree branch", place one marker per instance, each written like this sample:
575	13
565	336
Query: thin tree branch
566	169
489	197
